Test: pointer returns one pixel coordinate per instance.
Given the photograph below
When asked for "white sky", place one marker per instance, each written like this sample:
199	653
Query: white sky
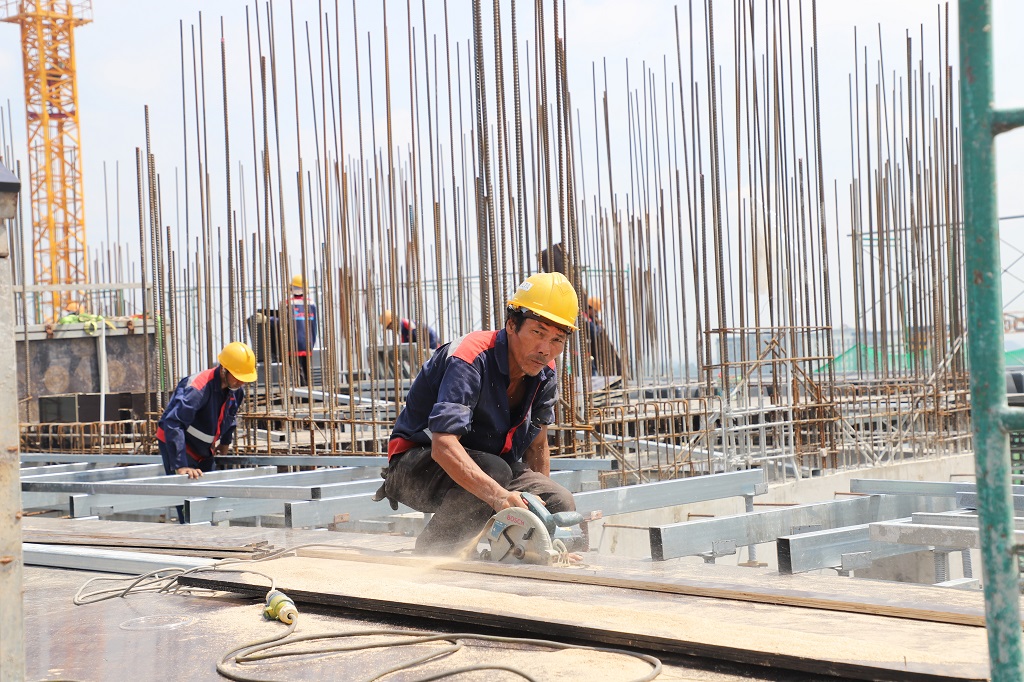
129	57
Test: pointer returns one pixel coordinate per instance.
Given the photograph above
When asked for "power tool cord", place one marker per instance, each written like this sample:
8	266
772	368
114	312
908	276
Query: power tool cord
266	649
165	580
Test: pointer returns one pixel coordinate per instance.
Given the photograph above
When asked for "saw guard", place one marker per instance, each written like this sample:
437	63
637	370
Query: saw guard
517	535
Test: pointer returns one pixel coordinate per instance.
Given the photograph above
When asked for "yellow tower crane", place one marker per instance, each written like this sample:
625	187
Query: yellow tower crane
54	142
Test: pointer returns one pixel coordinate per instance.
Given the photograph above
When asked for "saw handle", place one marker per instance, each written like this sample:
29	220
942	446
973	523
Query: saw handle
551	521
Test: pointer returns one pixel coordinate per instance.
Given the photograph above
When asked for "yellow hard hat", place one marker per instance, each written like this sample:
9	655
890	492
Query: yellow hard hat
298	282
595	303
73	307
386	318
549	296
239	359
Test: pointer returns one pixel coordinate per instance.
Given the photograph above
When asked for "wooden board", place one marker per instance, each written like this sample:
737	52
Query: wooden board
853	645
828	593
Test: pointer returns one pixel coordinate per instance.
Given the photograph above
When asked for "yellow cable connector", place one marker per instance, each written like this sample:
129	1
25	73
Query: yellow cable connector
280	607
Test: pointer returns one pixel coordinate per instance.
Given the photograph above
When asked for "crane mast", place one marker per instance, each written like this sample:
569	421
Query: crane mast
54	141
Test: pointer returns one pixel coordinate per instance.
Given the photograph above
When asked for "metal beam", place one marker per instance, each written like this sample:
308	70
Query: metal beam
101	505
342	398
645	496
214	509
110	474
557	464
947	537
878	486
105	504
35	470
44	501
574	481
315	513
827	549
58	458
962	519
106	560
157	485
970	501
693	538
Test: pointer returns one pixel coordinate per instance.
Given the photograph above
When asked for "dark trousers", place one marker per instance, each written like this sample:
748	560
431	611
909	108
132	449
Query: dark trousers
304	375
417	481
206	465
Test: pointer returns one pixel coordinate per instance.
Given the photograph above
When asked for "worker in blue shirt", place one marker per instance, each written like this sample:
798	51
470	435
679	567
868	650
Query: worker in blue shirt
199	420
604	359
473	435
304	335
408	330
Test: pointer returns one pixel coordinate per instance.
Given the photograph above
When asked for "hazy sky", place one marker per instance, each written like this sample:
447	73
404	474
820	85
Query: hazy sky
129	57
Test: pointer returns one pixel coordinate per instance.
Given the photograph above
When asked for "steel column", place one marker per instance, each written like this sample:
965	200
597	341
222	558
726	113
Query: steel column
978	126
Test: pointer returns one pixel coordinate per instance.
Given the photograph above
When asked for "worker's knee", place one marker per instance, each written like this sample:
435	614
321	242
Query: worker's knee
558	499
555	497
492	465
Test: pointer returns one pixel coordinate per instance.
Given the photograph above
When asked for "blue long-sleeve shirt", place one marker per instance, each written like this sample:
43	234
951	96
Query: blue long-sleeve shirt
304	315
463	390
410	334
199	415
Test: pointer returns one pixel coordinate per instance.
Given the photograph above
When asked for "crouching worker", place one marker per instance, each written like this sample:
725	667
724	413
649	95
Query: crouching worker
473	434
199	421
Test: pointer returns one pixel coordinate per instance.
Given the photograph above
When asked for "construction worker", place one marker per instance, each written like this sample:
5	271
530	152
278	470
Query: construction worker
604	359
199	420
305	321
408	330
473	435
594	330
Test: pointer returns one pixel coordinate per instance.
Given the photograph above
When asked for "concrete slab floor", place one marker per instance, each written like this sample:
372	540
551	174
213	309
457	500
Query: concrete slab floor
169	637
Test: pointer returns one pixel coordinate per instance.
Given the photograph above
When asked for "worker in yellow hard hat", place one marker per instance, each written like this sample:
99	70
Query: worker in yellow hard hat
199	420
304	321
408	330
473	435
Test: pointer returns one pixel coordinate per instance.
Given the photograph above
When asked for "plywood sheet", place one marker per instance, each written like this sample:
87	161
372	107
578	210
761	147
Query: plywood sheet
851	644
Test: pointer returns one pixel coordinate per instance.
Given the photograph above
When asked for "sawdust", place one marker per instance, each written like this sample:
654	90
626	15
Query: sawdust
246	624
778	630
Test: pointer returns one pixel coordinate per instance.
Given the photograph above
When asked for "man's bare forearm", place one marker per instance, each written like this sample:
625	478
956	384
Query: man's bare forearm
448	452
538	455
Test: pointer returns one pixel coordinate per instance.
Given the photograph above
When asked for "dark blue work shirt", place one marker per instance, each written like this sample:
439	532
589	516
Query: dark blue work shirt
410	334
463	390
301	312
200	415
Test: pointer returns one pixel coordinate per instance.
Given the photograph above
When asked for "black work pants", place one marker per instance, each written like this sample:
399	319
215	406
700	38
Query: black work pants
417	481
304	375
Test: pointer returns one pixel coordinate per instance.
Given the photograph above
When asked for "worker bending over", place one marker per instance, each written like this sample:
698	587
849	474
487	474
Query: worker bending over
408	330
199	421
473	434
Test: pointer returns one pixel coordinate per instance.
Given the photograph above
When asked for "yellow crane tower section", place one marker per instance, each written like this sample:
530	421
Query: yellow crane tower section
54	141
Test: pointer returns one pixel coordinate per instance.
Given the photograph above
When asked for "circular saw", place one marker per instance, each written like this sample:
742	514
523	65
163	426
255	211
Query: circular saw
532	535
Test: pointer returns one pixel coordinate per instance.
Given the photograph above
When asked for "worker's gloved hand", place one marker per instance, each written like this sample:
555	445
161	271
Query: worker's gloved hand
223	449
508	499
190	472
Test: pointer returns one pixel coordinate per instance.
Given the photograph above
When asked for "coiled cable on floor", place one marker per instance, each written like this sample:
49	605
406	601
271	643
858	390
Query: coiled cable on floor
262	650
280	607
